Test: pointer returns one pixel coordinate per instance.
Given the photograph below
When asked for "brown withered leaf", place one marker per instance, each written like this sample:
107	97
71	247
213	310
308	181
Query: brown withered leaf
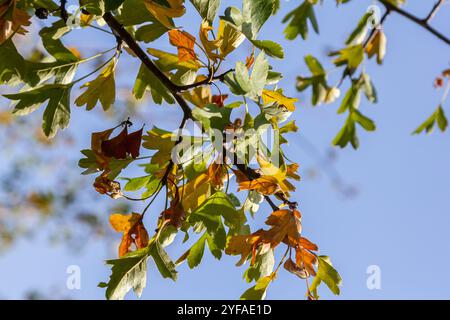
184	43
306	260
216	174
219	99
175	214
96	146
133	230
104	185
265	185
123	144
290	266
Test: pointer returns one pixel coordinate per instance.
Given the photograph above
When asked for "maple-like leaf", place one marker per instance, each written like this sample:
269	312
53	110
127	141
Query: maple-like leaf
185	44
163	13
133	231
270	96
102	89
265	185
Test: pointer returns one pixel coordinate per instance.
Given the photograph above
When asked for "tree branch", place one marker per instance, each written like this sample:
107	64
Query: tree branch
421	22
434	10
126	37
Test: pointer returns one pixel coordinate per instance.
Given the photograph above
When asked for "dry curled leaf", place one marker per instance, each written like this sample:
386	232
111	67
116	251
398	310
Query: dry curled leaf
104	185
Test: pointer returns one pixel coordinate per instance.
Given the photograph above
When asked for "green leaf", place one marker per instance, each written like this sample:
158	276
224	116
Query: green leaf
212	116
129	272
57	112
219	204
271	48
351	56
259	75
358	35
347	135
207	9
327	274
137	183
163	262
150	32
146	80
134	12
262	267
298	21
52	43
351	100
258	291
102	89
363	121
196	252
437	117
254	14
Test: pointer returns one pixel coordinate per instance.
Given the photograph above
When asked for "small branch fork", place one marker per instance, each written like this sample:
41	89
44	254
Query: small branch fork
424	23
119	31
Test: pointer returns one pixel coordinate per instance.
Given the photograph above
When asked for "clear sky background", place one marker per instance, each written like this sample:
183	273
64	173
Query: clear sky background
398	219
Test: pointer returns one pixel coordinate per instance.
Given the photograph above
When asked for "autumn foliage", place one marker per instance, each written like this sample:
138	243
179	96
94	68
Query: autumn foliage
211	185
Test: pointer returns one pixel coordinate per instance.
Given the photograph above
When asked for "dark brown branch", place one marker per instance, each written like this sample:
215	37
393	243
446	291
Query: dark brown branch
421	22
434	10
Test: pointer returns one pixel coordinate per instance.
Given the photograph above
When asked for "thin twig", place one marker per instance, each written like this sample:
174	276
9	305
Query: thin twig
421	22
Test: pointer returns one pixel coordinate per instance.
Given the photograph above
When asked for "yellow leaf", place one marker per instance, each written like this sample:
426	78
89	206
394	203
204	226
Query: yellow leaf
164	14
270	96
377	46
231	38
199	96
184	43
161	141
210	46
12	20
102	89
279	174
195	192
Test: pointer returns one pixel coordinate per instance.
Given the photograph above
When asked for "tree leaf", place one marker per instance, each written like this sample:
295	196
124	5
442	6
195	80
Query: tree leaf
298	21
327	274
207	8
102	89
258	291
127	273
57	112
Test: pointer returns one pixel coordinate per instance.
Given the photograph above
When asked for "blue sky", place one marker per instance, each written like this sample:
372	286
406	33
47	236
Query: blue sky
398	220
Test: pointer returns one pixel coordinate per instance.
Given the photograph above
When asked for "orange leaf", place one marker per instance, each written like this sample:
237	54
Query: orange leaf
265	185
184	43
130	225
